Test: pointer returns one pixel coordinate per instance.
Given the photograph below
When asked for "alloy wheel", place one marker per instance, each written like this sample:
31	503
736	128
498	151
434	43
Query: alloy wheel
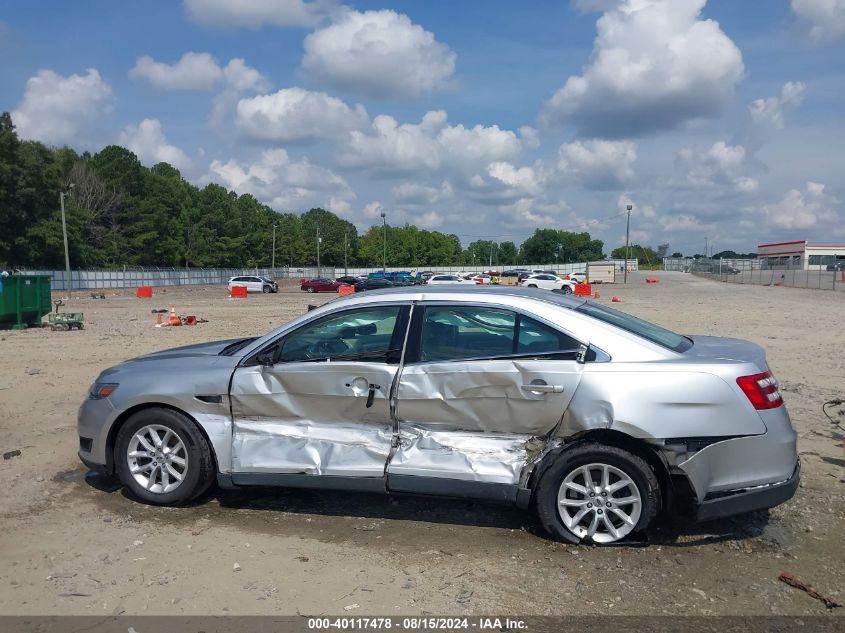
157	459
599	502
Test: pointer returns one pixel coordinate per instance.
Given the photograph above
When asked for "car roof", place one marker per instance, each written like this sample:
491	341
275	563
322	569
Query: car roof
465	293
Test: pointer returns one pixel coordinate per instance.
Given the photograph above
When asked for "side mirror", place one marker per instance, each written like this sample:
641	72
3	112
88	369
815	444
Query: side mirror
267	358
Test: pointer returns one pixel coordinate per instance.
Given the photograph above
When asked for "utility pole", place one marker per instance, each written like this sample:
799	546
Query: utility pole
384	239
62	195
490	264
318	251
705	247
273	259
345	263
627	234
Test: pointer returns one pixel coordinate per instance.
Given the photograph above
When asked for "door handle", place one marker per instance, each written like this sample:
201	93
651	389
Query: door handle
372	394
543	388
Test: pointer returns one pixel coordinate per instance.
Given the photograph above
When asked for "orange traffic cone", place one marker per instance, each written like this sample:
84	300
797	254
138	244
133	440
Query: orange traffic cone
174	318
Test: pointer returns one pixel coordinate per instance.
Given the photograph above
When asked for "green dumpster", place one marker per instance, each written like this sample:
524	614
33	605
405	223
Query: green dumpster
24	300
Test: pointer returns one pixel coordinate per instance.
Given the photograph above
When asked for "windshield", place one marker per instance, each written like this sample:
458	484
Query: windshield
644	329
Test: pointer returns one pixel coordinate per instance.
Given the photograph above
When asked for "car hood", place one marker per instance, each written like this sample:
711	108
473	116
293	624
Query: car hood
718	347
188	351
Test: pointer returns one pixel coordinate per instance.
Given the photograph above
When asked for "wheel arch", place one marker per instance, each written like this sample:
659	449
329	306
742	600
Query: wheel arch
125	415
617	439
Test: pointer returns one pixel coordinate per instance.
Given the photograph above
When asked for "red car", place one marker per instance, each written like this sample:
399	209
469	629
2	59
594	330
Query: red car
321	285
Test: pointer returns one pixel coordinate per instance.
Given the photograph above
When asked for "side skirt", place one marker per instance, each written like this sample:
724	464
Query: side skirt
397	484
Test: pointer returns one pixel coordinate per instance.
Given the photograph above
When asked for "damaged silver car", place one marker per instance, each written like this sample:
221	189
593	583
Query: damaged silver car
598	420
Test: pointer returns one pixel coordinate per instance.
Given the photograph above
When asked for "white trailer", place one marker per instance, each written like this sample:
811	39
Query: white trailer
601	272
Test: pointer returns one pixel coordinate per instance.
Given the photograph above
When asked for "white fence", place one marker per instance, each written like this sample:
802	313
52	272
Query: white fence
136	276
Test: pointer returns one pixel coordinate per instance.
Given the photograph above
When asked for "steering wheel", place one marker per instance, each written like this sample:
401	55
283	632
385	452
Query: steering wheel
326	349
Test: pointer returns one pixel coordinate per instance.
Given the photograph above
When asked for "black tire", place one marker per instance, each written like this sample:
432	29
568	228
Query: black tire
532	285
200	471
310	289
566	461
567	290
265	289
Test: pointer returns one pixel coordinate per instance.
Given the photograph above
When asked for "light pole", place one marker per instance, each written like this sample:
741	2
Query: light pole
384	240
627	233
62	195
273	259
319	239
345	261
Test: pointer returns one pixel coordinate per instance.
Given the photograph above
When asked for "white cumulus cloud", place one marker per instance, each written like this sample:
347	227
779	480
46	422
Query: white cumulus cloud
285	184
257	13
61	110
721	167
655	65
413	193
378	54
147	141
598	164
430	145
826	18
767	116
193	71
803	209
295	114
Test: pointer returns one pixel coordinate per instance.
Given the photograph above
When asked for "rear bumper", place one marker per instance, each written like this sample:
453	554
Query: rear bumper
748	500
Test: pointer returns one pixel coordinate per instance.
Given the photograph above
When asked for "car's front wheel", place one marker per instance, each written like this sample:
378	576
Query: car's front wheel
265	289
596	494
567	289
162	457
309	289
532	285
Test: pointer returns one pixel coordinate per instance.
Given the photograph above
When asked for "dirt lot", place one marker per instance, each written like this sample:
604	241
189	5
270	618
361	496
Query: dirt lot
71	544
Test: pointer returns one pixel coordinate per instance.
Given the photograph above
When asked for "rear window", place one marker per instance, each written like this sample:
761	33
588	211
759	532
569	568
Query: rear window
649	331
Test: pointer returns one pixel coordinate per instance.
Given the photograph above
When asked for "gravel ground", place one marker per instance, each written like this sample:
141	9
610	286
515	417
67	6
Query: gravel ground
75	544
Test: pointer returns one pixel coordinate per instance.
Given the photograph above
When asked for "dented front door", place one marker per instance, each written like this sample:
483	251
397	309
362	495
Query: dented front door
323	406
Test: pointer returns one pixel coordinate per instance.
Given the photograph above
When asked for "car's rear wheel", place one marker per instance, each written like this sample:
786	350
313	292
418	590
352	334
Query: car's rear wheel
596	494
162	458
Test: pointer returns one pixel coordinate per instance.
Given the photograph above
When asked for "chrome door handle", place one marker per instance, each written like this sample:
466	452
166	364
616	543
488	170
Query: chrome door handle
543	388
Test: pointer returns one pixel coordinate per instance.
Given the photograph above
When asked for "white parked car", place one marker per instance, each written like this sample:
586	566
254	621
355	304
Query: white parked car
549	282
579	277
254	283
439	280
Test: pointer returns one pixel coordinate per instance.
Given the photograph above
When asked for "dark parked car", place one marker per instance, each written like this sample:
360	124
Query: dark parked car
321	285
350	279
373	284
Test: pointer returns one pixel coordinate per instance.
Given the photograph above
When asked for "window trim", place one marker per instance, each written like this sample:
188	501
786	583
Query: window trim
413	348
402	321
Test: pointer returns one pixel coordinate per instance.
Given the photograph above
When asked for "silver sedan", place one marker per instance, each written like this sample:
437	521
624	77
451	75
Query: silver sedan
597	419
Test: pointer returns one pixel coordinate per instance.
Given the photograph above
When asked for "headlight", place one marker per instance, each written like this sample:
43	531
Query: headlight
100	390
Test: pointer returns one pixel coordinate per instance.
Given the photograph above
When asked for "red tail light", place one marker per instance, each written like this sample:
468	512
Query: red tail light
761	390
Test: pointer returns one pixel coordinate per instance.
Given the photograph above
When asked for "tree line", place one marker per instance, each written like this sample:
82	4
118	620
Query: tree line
119	212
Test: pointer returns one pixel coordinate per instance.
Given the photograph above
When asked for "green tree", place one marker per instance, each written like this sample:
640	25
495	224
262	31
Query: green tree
643	254
508	254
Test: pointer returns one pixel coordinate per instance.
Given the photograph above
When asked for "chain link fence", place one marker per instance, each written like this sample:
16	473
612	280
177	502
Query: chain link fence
134	276
754	271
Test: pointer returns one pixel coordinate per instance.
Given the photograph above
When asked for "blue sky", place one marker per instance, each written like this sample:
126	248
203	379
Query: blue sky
717	119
